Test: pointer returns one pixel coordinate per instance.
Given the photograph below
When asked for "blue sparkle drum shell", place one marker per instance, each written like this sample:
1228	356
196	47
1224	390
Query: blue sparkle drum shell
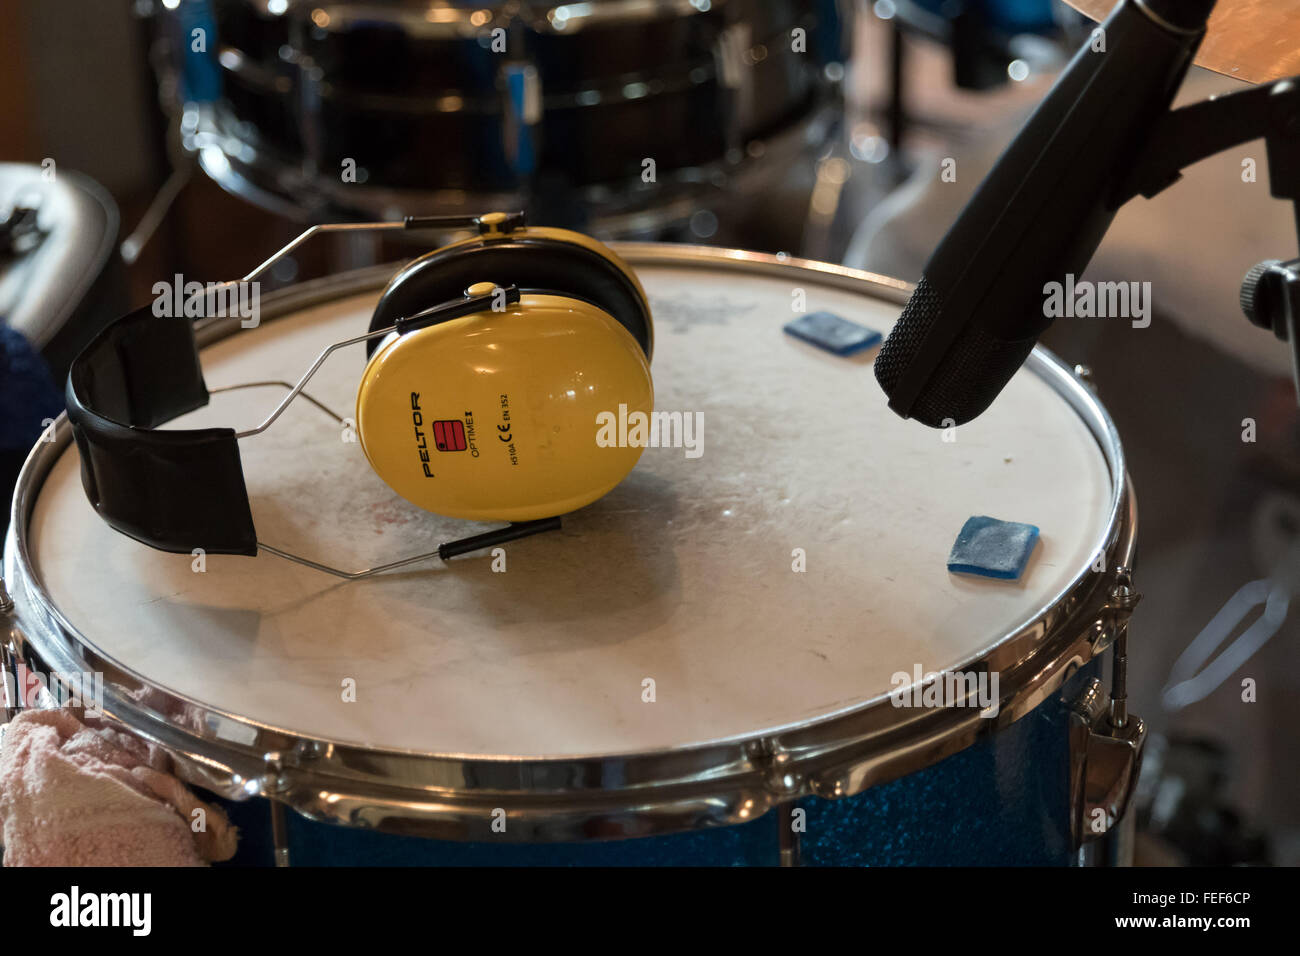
1004	801
696	669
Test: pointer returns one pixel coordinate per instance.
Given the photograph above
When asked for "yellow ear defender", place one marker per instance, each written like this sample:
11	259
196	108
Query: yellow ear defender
493	415
490	363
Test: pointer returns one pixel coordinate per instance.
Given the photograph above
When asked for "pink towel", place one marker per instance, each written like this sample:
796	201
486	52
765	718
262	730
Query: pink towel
85	793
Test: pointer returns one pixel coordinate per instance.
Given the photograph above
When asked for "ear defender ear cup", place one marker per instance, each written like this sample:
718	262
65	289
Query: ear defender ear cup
497	416
552	260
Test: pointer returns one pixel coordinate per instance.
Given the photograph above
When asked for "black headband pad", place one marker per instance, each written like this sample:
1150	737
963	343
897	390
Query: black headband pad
172	490
527	261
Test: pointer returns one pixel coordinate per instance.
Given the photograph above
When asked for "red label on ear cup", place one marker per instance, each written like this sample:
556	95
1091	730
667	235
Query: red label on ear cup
449	435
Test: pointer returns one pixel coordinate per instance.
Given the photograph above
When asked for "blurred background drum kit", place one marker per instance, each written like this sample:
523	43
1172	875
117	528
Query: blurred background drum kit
165	137
550	108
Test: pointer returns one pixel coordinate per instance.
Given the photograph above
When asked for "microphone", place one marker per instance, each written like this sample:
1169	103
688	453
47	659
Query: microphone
1039	214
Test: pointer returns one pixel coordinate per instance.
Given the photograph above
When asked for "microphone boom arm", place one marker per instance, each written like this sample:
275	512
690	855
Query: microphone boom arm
1270	294
1191	133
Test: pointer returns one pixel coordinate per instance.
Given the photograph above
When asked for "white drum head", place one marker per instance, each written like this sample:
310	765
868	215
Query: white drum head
681	576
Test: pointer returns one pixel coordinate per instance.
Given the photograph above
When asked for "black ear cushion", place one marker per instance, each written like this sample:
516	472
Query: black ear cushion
529	262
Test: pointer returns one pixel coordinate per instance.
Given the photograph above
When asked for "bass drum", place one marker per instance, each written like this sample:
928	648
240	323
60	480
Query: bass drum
717	638
617	115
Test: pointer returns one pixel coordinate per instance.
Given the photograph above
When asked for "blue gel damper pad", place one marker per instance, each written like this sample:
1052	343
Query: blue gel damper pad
993	548
832	333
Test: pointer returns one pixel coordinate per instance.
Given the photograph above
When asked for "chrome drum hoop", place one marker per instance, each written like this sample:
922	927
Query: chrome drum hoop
448	796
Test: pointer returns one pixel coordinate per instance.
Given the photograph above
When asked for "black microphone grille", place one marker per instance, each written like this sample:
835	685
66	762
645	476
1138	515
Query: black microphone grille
968	377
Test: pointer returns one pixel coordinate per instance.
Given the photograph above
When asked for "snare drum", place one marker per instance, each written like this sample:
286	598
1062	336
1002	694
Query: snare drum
697	668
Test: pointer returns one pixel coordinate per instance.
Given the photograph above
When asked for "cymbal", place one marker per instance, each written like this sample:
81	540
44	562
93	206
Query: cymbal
1253	40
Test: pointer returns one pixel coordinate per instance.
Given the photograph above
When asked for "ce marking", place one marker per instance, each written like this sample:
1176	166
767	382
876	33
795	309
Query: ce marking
505	436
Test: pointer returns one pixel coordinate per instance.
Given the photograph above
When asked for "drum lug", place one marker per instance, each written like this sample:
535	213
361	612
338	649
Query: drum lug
773	764
10	703
11	653
1104	764
785	786
1123	597
1115	614
274	780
